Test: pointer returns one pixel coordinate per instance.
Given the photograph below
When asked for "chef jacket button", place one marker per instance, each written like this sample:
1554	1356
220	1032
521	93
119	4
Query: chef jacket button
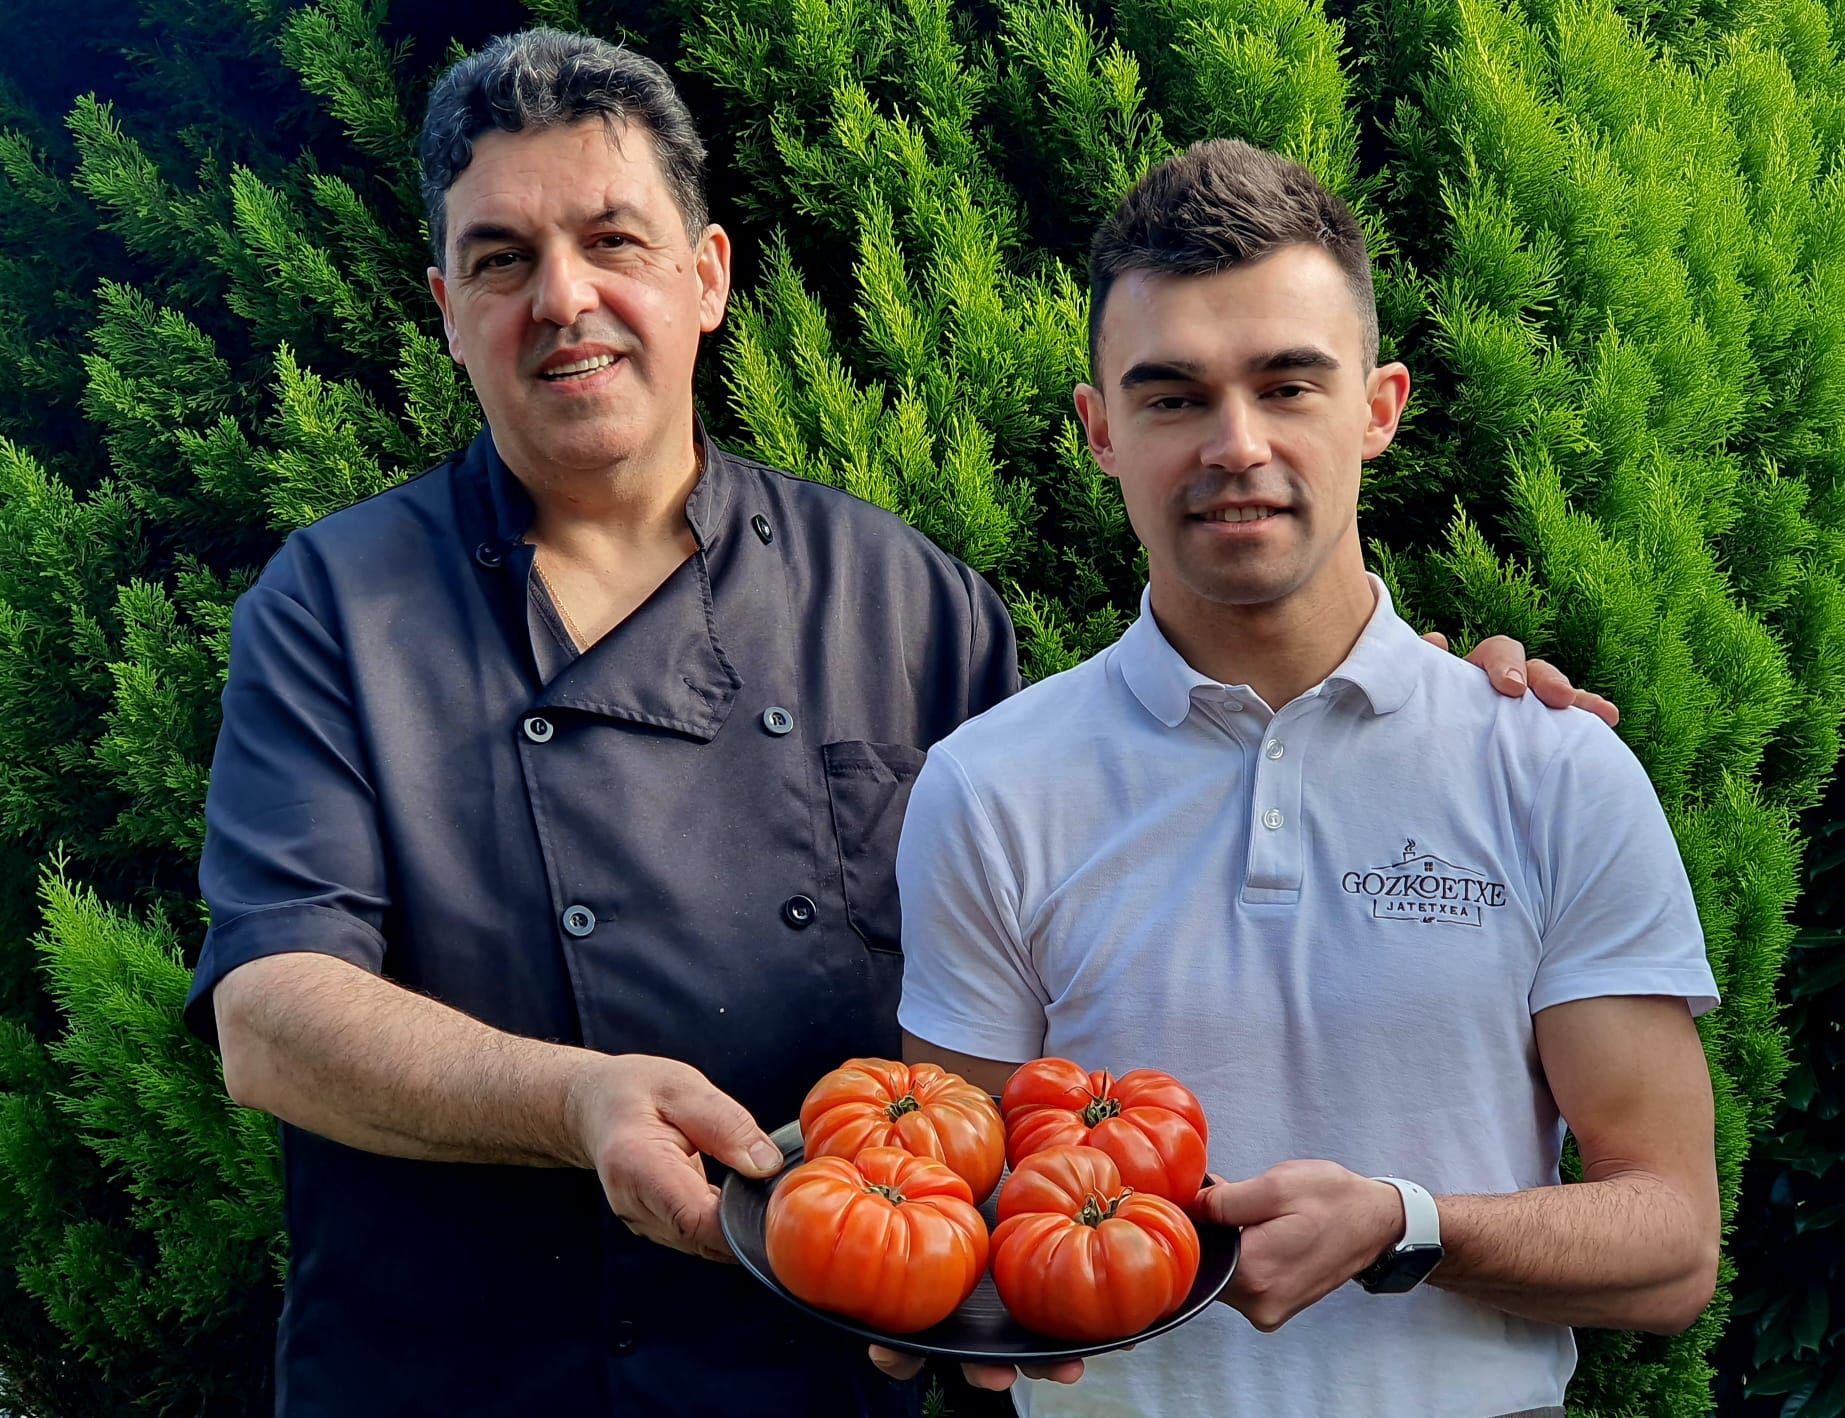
777	720
759	524
538	729
488	555
799	911
579	920
621	1337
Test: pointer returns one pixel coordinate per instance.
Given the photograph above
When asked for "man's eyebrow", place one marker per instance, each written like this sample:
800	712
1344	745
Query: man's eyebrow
619	213
1300	357
1159	371
1185	371
477	233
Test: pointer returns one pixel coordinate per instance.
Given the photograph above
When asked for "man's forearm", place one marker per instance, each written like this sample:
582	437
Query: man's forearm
340	1052
1627	1252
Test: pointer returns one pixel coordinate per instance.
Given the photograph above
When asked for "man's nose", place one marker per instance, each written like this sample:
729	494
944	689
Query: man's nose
562	289
1236	441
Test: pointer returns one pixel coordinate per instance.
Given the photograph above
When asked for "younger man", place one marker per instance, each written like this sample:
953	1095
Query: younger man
1370	911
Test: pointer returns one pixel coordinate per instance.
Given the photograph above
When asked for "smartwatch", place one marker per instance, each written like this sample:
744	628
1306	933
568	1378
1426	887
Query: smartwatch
1407	1264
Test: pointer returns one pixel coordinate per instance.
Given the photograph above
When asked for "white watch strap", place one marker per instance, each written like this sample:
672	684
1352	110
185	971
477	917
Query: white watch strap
1421	1219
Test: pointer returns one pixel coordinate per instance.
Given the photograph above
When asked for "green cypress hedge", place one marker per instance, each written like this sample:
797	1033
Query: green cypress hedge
1611	245
1785	1352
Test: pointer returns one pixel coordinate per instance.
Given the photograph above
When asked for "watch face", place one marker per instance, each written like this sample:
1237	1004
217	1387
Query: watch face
1402	1270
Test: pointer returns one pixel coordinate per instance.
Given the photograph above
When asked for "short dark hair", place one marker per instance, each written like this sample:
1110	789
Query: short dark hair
1216	205
546	78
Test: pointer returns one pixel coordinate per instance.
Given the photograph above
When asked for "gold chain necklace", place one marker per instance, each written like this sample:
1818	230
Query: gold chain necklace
578	643
570	626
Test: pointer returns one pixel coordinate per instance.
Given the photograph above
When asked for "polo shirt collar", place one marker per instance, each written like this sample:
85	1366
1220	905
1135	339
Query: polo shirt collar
1381	665
1159	675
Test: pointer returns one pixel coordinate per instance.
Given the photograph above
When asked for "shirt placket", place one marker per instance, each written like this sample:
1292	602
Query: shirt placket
1277	831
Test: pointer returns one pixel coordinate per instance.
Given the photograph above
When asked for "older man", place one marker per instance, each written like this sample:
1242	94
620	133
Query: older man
552	825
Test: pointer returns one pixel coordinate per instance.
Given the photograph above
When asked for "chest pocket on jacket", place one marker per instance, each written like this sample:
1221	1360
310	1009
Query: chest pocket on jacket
869	786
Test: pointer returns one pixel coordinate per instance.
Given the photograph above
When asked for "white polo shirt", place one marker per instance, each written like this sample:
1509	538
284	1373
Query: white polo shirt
1335	923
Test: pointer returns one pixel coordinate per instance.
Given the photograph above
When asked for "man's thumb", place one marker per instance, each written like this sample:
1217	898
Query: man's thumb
1247	1203
721	1127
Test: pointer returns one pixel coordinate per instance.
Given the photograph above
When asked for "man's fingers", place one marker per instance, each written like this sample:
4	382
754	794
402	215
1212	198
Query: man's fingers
668	1200
1240	1203
717	1124
1604	709
707	1234
1503	659
999	1377
996	1377
1067	1372
1550	684
895	1363
1437	639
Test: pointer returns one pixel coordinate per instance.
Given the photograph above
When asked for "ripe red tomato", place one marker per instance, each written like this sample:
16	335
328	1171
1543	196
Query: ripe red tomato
921	1108
1080	1256
1149	1122
889	1238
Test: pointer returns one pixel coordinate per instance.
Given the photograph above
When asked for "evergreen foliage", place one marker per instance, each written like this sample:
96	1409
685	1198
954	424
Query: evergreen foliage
1610	238
1786	1352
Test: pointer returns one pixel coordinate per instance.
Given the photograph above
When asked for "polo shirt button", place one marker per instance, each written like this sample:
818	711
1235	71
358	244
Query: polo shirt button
777	720
1235	706
538	729
488	556
799	912
759	524
621	1337
1272	818
579	920
1274	748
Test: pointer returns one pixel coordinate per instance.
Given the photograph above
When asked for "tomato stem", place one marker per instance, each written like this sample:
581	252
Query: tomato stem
890	1194
906	1104
1100	1109
1095	1211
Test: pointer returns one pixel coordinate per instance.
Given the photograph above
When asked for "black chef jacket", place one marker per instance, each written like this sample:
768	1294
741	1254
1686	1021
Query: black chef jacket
679	843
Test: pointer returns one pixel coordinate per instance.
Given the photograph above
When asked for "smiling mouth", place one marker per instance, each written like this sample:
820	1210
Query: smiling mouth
1237	514
582	369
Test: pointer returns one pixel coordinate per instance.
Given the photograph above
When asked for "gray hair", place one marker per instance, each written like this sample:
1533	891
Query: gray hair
545	78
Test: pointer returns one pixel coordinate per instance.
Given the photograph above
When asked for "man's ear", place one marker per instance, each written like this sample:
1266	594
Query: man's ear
713	264
1386	393
438	287
1094	415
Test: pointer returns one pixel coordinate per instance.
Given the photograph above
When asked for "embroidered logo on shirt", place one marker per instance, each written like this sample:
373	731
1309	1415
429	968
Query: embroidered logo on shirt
1427	888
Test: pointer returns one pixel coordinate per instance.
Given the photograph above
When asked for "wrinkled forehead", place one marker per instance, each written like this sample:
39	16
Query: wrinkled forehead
561	176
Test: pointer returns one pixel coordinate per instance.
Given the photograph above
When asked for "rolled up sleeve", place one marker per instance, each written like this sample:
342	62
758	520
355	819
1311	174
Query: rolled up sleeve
293	857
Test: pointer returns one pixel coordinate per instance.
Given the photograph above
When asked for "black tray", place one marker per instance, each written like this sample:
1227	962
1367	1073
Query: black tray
981	1330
